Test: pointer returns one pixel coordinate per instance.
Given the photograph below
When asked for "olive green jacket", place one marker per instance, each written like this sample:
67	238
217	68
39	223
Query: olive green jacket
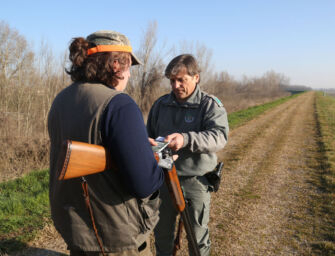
202	120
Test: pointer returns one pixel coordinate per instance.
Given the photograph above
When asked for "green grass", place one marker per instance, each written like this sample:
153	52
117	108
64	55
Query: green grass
326	115
24	209
325	106
239	118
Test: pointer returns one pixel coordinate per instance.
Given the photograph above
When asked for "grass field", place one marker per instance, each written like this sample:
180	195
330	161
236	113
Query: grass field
24	205
24	209
325	106
240	117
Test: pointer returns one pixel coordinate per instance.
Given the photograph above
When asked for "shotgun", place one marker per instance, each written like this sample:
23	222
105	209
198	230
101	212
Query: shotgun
79	159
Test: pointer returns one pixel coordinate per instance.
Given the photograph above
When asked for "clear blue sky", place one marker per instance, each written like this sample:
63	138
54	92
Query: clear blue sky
292	37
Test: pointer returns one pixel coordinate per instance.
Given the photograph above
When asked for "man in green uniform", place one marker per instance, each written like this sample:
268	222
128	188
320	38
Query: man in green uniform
195	123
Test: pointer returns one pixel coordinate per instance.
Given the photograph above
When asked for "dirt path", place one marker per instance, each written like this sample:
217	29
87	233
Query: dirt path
263	205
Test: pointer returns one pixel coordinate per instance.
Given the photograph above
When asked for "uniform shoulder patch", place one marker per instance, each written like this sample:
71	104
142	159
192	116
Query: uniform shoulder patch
216	99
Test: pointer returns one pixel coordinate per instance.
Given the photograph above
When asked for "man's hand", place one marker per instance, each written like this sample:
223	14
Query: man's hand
152	142
176	141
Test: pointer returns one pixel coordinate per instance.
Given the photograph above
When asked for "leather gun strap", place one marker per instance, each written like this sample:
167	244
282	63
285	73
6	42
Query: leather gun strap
89	207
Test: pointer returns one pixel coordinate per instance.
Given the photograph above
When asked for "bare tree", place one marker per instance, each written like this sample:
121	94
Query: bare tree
28	84
146	79
16	59
16	65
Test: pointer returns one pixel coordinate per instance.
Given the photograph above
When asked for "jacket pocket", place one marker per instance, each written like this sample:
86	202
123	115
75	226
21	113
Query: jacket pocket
149	208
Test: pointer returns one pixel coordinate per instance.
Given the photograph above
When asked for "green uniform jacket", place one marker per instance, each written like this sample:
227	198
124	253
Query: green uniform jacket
202	120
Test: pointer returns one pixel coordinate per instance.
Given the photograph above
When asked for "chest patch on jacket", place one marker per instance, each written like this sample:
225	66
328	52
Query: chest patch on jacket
189	119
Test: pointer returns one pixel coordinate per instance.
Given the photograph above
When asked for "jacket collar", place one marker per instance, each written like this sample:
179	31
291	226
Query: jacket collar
193	101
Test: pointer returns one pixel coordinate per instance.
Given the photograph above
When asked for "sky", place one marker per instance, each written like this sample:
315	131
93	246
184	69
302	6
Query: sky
295	38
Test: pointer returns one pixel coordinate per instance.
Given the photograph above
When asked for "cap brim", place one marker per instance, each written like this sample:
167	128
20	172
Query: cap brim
135	60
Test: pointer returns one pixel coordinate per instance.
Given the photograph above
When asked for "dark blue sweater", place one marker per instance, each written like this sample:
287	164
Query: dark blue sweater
124	131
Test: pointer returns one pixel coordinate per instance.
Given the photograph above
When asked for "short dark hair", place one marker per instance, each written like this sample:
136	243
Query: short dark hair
95	68
180	62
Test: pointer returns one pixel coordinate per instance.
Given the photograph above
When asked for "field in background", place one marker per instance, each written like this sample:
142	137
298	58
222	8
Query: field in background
312	225
240	117
24	201
278	182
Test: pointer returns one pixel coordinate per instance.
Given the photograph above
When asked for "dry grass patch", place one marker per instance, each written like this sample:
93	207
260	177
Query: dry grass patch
22	155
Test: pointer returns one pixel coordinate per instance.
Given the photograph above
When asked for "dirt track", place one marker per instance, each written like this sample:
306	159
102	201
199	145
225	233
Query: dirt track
263	205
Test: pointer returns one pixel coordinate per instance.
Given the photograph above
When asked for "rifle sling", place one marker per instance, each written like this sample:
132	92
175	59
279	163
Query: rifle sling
90	210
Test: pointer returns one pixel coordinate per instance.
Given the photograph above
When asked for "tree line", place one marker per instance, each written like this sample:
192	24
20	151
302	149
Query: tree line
30	80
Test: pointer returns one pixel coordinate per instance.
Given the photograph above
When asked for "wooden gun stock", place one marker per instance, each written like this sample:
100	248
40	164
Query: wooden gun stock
172	181
81	159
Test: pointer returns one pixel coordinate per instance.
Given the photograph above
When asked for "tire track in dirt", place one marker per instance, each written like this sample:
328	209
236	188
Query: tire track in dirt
240	153
254	212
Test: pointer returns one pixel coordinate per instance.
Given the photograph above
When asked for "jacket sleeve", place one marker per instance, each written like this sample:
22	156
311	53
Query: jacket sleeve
125	135
214	133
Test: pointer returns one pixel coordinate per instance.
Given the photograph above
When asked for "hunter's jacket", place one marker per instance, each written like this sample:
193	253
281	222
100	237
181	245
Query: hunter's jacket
123	221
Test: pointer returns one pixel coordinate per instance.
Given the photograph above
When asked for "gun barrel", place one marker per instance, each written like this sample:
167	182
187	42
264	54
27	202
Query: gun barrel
173	183
192	241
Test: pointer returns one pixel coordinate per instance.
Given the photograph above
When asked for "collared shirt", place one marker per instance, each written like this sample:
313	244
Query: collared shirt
202	120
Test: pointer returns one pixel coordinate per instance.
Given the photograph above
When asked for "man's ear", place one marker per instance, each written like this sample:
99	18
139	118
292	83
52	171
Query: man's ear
196	77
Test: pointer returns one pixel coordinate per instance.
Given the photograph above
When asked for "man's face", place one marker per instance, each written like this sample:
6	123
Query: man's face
183	85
